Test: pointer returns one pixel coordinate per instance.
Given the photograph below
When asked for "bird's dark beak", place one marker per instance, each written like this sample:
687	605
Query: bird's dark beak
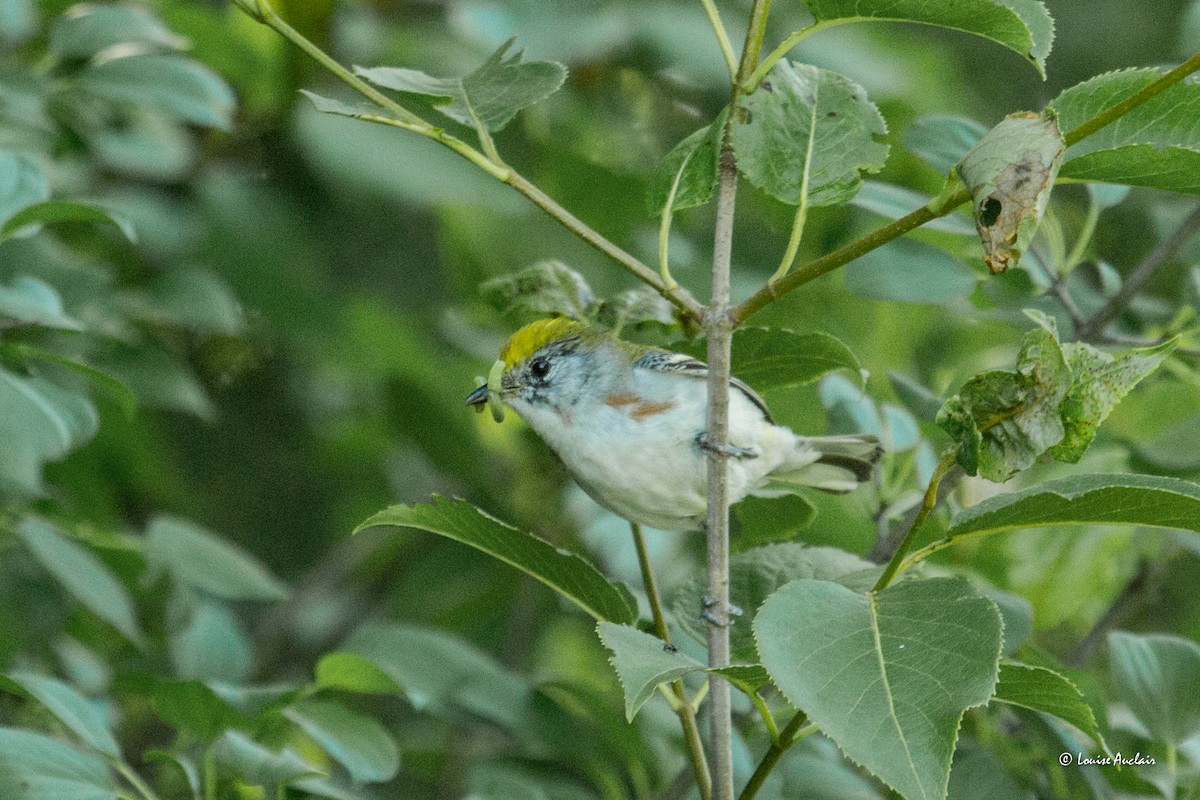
478	398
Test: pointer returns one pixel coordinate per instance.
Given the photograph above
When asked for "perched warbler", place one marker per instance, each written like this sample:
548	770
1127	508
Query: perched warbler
628	421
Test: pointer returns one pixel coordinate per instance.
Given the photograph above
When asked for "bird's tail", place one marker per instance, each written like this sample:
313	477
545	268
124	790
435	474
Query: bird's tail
834	464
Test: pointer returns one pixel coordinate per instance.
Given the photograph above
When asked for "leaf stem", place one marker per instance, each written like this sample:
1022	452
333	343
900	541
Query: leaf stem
787	737
787	44
789	255
127	772
210	774
683	708
718	26
928	503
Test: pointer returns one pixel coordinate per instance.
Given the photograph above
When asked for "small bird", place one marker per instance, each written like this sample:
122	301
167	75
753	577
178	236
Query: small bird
628	421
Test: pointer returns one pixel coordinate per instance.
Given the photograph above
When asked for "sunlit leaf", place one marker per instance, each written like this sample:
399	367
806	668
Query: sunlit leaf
807	134
886	675
564	572
353	673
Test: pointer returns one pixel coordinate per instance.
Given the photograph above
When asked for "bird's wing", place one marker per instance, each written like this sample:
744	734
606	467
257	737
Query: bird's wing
679	364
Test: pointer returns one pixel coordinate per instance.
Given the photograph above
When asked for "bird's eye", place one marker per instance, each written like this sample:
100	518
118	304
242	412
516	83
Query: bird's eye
539	368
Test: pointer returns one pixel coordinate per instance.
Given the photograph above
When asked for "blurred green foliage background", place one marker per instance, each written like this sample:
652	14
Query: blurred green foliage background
300	320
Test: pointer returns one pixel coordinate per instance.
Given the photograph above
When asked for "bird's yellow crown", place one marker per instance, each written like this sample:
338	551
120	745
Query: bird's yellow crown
528	340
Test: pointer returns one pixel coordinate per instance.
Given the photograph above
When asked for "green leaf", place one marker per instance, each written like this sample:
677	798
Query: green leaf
1157	676
1010	173
257	765
352	673
194	299
197	558
920	400
357	741
53	212
1053	403
566	573
1147	500
22	184
1101	381
776	358
328	105
942	140
548	287
687	177
36	767
642	662
912	272
893	202
1176	449
441	671
212	647
180	87
83	716
754	575
489	97
186	766
1045	690
762	521
1156	145
1005	420
35	302
82	574
886	675
807	134
86	29
1023	26
17	21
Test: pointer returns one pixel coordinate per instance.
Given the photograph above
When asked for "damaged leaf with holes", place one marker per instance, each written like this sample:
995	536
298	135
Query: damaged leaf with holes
1053	403
548	287
1010	174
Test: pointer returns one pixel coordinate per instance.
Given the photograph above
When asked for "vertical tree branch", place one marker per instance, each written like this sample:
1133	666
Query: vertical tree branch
718	327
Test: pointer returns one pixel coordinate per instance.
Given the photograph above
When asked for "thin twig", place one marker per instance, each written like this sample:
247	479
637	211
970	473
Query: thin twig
894	230
1141	276
687	714
787	737
928	503
714	19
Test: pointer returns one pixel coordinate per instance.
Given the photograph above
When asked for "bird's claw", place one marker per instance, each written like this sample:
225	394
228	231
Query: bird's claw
728	450
710	614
